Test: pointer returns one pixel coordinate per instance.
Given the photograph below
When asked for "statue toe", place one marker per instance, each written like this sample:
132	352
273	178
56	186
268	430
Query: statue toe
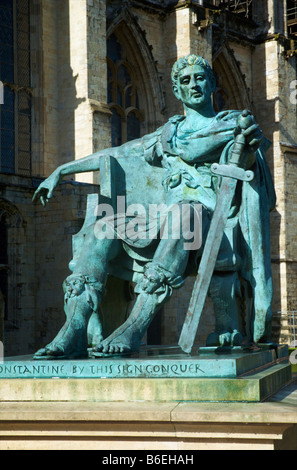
236	338
225	339
40	353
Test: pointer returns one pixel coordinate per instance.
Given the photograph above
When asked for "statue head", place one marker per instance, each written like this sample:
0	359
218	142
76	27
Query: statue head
189	60
193	81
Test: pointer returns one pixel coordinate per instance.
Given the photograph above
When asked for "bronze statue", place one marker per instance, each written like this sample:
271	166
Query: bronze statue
184	148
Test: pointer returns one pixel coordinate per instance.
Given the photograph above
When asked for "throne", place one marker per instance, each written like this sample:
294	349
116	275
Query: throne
138	183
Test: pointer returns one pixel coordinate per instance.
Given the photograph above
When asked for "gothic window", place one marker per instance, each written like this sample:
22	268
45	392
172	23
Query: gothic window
240	7
15	111
3	266
123	96
292	17
11	236
231	91
221	100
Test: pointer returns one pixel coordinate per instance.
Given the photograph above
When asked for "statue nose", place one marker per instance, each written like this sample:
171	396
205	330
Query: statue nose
194	83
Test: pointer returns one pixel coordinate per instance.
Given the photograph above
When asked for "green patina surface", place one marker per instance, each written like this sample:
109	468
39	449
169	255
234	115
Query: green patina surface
253	388
173	165
148	363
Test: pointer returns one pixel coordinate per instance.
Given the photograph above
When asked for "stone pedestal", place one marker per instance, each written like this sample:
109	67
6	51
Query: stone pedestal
155	374
147	426
156	400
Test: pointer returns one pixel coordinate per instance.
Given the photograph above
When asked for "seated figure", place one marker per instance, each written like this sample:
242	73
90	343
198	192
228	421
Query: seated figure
182	152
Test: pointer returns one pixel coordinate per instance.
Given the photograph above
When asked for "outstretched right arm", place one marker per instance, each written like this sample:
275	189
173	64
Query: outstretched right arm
45	190
90	163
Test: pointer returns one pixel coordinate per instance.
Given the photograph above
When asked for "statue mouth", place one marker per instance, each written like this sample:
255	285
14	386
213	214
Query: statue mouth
197	94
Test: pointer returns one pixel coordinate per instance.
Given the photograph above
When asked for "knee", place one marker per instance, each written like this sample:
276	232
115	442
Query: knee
90	235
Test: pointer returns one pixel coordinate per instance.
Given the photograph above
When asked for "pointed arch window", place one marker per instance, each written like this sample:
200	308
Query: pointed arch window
123	96
3	273
240	7
15	111
231	91
292	17
12	227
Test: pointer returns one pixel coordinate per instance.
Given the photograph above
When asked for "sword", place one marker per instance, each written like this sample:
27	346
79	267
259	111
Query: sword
231	173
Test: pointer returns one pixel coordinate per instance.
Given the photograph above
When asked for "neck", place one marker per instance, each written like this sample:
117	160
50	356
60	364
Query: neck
195	117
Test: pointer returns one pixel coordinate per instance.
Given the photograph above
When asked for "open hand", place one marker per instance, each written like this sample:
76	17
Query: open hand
45	190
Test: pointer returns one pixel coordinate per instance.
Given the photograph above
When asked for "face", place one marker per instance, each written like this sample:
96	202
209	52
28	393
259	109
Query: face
150	281
193	87
73	286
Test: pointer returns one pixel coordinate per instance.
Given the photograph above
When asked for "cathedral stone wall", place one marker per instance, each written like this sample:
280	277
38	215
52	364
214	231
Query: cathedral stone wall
39	246
71	118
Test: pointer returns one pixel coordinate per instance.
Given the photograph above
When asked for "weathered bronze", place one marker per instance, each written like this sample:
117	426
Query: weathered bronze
172	167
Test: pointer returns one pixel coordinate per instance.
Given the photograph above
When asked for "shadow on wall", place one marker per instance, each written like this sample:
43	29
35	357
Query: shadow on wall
68	101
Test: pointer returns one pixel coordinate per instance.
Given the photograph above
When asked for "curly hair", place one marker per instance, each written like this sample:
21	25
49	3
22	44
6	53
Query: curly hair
192	59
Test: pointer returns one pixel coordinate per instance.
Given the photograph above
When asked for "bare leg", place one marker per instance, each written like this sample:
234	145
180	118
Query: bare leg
128	336
81	299
160	277
83	294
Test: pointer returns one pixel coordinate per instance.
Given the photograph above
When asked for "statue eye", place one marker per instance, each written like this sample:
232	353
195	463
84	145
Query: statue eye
200	77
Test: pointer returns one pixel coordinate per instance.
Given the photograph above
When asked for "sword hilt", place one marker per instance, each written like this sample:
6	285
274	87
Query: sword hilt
244	121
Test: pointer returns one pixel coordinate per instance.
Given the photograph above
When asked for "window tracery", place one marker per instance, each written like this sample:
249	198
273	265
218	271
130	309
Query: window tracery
15	112
123	98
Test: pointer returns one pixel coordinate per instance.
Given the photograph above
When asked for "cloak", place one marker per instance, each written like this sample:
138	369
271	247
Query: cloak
186	157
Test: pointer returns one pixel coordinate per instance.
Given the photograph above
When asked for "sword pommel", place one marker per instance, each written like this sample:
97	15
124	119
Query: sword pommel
244	121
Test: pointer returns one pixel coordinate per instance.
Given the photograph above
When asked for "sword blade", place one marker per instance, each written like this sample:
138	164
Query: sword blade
207	264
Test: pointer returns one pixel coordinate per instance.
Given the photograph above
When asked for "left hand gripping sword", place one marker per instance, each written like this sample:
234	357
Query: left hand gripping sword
231	173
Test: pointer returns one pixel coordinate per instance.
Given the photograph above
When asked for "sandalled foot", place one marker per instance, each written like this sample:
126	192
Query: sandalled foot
94	330
212	340
236	338
114	347
122	341
59	352
224	338
127	338
82	298
69	343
